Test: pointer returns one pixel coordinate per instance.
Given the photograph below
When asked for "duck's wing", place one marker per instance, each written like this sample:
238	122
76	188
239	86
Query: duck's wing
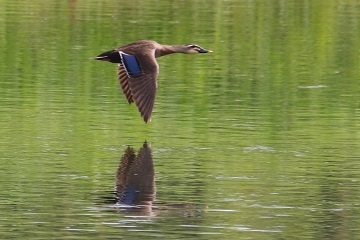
124	83
138	79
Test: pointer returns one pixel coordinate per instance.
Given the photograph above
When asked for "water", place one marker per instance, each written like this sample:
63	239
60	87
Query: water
259	140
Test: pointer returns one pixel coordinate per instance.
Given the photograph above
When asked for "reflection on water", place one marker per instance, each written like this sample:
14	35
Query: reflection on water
135	187
135	178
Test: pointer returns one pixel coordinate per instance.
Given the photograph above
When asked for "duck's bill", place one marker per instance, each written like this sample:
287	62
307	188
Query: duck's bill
205	51
103	58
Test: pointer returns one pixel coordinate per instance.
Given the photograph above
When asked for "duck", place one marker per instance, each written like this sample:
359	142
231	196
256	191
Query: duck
138	69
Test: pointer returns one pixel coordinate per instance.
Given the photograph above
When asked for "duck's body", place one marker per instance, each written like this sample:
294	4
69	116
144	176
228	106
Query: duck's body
138	70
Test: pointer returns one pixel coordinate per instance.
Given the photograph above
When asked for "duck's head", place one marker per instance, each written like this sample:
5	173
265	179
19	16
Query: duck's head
193	49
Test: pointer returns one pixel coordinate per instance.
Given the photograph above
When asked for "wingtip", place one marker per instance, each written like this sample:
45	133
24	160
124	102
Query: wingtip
146	115
147	120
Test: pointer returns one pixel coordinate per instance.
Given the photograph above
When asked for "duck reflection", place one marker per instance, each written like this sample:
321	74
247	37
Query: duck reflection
135	187
135	178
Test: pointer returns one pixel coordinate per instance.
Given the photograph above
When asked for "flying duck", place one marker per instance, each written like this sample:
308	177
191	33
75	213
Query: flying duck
138	70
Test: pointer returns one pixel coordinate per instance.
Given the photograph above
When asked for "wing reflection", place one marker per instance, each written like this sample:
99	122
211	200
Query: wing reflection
135	188
135	178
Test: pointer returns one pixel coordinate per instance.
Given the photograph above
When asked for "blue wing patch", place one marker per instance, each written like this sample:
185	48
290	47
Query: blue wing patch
131	65
129	195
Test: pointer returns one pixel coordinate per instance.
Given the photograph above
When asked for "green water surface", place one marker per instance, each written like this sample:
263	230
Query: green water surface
259	140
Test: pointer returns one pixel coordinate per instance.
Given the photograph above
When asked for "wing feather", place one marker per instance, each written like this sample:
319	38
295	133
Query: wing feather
141	89
124	83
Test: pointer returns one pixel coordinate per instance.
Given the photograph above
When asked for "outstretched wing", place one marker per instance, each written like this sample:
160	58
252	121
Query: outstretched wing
138	79
124	83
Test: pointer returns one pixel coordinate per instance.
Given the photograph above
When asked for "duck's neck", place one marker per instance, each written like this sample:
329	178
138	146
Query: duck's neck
166	49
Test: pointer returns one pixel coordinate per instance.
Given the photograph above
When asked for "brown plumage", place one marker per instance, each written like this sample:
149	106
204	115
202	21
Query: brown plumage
138	70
